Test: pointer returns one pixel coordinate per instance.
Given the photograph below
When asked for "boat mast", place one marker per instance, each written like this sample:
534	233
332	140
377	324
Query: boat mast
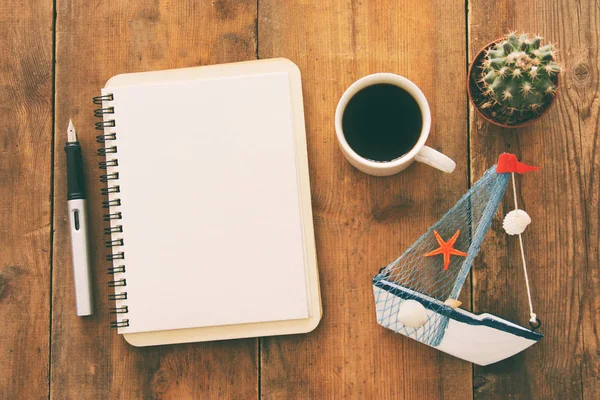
484	225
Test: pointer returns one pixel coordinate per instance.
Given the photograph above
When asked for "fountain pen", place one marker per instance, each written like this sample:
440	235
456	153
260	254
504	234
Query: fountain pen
77	224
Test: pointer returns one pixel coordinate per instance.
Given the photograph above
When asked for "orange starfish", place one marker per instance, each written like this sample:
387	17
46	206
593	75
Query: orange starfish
446	248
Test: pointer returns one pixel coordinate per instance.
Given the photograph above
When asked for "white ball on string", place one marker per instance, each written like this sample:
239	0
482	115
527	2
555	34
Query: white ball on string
516	221
412	314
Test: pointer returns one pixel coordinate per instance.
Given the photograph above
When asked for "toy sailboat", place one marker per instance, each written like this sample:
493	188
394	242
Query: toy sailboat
416	295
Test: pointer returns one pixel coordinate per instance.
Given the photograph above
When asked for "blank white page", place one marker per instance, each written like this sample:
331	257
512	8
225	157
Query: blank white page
210	203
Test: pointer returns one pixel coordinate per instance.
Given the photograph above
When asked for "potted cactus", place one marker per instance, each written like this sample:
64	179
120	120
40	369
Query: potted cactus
513	81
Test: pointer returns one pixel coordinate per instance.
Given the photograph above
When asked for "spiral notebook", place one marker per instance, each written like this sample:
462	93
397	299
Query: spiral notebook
208	200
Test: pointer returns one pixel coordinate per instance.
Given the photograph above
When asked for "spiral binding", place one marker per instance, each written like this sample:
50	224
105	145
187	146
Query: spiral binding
111	189
104	138
113	243
116	215
119	324
100	99
115	256
115	270
110	161
109	177
101	111
102	151
105	124
117	282
113	229
112	203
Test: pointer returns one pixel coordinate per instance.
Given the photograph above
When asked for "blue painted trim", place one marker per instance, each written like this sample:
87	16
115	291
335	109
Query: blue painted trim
457	316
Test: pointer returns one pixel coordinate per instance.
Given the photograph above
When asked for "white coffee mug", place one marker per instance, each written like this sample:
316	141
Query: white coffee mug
419	152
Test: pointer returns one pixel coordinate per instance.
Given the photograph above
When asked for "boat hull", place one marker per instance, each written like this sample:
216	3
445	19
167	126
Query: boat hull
479	338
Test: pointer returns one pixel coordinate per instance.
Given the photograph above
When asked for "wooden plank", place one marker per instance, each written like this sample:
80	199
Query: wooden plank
555	198
363	222
96	40
25	197
584	75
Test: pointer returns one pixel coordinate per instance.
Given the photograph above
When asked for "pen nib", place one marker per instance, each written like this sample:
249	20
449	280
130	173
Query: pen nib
71	134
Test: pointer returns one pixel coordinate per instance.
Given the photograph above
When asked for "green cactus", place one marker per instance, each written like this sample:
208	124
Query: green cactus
519	74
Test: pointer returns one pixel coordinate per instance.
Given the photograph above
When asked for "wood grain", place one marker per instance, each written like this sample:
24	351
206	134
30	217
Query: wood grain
25	202
560	199
96	40
362	222
583	74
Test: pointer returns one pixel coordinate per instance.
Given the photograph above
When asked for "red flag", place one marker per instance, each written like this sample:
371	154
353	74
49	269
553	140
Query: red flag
508	163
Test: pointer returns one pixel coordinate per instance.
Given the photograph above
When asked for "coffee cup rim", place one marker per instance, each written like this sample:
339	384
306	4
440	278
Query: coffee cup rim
397	80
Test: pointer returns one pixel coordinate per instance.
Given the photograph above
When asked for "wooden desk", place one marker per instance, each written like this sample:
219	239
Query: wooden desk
55	56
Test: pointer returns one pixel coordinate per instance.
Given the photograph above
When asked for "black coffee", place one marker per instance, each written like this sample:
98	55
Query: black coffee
382	122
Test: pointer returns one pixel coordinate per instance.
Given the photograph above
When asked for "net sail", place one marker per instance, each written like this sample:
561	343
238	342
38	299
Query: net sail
430	279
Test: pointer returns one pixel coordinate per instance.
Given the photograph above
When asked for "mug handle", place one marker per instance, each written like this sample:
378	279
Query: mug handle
435	159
